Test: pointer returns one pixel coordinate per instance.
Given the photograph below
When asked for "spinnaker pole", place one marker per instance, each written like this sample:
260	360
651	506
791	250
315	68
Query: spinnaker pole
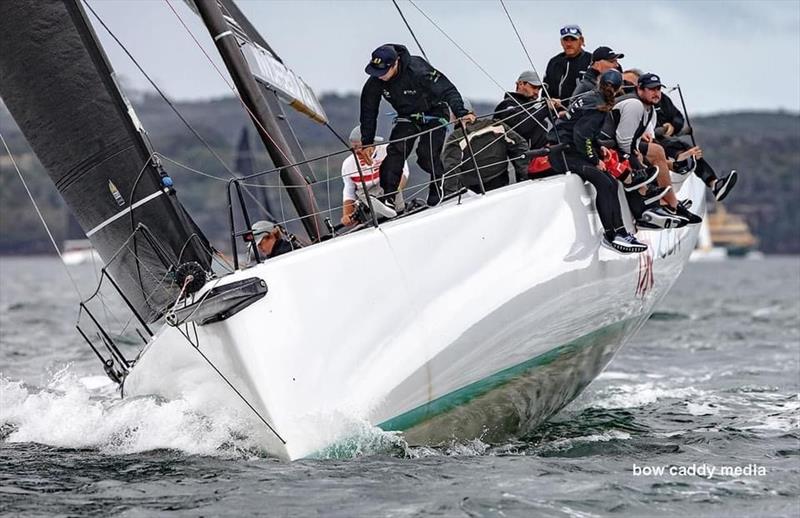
264	119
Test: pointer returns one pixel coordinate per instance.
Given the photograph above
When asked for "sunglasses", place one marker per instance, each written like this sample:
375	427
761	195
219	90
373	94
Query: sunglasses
573	31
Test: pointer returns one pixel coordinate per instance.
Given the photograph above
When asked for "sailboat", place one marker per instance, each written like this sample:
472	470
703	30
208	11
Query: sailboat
478	318
77	249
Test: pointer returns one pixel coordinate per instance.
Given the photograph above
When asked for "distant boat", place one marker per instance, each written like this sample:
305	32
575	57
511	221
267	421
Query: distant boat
706	251
731	232
77	248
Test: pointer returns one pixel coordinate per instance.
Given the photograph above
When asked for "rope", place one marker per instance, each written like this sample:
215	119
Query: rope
410	30
41	217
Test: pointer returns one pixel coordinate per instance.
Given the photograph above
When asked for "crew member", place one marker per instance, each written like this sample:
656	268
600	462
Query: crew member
269	239
421	96
354	186
562	71
581	131
603	59
525	112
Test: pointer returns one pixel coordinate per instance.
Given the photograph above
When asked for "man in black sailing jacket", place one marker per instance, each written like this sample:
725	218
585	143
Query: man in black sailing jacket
562	72
421	96
524	112
603	59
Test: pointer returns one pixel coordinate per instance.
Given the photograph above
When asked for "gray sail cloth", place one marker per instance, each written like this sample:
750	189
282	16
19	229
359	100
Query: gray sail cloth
60	89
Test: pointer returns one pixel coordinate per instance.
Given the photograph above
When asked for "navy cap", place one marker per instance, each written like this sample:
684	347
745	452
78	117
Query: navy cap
605	54
382	60
571	31
649	80
611	77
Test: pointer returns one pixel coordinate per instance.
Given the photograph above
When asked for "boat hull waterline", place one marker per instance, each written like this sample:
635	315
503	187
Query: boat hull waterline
472	320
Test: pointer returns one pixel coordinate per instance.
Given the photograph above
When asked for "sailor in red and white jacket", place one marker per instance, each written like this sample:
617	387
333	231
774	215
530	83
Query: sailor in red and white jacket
370	159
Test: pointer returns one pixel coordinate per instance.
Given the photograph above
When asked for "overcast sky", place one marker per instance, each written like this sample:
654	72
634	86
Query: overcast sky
727	56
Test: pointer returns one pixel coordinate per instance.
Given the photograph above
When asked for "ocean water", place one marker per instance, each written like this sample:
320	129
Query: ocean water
699	416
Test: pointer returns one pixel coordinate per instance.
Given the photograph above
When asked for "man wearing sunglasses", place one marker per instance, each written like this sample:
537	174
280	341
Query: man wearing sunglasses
563	69
603	59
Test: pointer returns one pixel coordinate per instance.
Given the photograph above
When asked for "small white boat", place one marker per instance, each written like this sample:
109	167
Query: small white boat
79	251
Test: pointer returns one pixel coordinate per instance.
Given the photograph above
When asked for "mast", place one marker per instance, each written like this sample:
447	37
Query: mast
264	118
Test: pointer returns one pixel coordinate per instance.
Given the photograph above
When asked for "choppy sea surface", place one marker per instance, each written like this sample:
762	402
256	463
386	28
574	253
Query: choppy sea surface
706	392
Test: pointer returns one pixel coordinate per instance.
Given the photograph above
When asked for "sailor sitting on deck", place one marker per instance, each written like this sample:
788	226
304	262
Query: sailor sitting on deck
581	131
421	96
353	191
494	145
270	240
525	112
563	69
635	120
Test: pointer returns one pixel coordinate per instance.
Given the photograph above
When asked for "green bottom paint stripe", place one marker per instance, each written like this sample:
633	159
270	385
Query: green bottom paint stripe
476	389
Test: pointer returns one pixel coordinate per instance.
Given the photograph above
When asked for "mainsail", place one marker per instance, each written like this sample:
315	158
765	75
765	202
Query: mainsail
60	88
261	78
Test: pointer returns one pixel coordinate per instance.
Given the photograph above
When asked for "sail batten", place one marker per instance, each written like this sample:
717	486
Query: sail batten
61	90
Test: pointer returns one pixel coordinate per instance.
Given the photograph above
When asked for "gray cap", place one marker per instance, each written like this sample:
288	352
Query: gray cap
529	76
262	227
355	135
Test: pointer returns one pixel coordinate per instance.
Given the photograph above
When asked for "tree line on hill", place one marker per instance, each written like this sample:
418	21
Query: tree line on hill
763	146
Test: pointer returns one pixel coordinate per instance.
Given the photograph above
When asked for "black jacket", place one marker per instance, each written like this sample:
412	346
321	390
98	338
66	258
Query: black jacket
562	73
583	126
281	246
532	124
501	144
667	112
417	88
587	82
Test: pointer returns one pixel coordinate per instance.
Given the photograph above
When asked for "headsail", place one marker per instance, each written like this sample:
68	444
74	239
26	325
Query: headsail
60	88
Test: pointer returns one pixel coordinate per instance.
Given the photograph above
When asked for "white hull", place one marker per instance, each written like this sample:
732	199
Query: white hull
478	319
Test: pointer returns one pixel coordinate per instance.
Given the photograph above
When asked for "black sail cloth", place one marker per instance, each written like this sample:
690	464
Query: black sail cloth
60	88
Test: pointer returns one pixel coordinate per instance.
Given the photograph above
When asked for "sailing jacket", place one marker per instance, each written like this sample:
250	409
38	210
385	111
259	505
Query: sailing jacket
417	88
583	126
587	82
494	145
528	117
561	75
666	112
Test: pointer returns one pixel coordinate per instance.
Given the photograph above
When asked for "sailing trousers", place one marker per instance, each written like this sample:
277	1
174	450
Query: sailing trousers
607	187
429	155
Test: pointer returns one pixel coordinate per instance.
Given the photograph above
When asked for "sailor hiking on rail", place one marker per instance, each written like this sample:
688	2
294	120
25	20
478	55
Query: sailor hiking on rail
421	96
581	131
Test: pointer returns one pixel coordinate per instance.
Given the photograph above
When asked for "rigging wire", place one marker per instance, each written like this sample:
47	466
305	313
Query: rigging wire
410	30
170	103
41	217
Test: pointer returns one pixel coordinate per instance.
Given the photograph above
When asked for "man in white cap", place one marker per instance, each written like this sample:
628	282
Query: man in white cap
564	68
525	112
269	239
370	160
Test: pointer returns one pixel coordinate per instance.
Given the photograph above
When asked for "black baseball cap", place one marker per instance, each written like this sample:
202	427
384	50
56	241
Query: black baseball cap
605	54
649	80
382	60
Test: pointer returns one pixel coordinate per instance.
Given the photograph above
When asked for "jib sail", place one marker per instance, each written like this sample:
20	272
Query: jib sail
60	88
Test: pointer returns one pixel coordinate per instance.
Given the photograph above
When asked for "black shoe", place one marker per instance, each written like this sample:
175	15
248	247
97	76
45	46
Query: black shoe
685	166
687	203
642	177
383	206
624	243
655	193
724	185
433	198
660	218
683	211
